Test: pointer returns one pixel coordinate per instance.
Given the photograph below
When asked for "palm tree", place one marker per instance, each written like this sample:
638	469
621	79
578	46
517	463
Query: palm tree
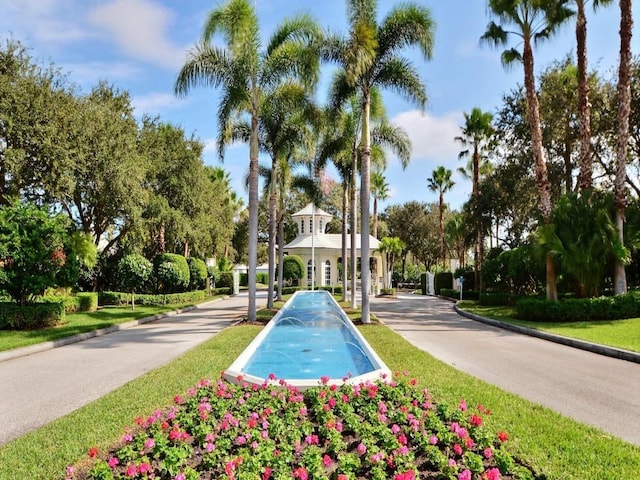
477	133
585	181
245	74
390	247
624	109
370	57
534	20
440	181
379	191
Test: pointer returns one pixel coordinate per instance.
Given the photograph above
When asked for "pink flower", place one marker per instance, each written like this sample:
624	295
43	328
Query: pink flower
266	475
300	473
476	421
462	405
458	449
492	474
402	439
452	462
342	476
149	443
144	468
113	461
465	475
433	440
410	475
503	436
488	453
395	428
70	471
326	460
131	471
180	476
126	438
362	449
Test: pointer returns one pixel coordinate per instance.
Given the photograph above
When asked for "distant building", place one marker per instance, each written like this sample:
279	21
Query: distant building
327	248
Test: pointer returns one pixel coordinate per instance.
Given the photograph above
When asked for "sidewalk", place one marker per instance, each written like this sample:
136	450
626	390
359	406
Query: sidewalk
41	387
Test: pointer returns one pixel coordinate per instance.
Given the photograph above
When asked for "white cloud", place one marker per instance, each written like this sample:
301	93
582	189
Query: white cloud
90	73
152	102
432	138
140	28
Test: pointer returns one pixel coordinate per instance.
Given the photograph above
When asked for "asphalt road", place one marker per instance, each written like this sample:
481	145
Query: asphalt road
591	388
39	388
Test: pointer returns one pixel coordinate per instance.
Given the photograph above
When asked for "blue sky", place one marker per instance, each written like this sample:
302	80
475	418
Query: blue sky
139	45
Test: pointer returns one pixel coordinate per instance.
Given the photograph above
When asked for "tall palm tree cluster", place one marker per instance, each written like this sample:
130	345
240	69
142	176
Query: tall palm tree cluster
266	92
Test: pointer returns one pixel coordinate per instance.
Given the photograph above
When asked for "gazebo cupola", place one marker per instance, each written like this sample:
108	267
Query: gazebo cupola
311	219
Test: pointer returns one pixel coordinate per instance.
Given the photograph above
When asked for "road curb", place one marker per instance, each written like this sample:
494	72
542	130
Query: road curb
61	342
571	342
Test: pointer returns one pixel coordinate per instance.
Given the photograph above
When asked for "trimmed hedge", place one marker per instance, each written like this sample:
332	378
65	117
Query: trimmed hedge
466	294
32	316
442	280
499	299
123	298
171	272
87	301
225	280
197	273
579	309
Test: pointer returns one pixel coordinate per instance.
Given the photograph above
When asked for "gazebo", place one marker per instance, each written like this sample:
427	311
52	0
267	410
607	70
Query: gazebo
326	248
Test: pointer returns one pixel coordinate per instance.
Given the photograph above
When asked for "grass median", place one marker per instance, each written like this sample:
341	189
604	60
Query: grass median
623	334
555	446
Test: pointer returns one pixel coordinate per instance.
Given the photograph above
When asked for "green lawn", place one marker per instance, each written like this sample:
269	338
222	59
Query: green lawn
623	334
554	445
81	323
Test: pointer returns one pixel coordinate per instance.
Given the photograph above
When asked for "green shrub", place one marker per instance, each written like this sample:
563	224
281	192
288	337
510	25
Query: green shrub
292	268
244	279
388	291
262	278
498	299
335	289
225	280
123	298
579	309
32	316
171	273
87	301
70	303
197	273
442	280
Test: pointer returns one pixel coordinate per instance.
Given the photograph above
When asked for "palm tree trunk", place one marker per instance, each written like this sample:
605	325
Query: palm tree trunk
365	193
624	109
542	180
441	228
280	253
345	203
354	245
273	193
479	236
585	181
253	215
375	217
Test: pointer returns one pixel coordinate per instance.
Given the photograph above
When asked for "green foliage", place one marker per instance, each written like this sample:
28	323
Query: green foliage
498	299
442	280
579	309
292	268
466	294
134	272
518	271
31	250
32	316
87	302
171	273
225	280
197	273
123	298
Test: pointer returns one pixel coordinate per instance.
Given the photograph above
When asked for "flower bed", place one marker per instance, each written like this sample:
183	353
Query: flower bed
383	430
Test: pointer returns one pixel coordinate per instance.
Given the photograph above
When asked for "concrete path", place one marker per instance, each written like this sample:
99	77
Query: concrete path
591	388
39	388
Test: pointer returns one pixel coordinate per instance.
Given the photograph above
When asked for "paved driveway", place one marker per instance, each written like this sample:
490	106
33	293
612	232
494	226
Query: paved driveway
593	389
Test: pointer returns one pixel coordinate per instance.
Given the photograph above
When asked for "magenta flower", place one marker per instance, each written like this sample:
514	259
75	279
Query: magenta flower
462	405
144	468
131	471
180	476
395	428
433	440
362	449
300	473
458	449
492	474
149	443
112	462
465	475
326	460
488	453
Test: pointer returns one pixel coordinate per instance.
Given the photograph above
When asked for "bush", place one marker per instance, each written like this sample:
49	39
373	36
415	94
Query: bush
225	280
335	289
197	273
442	280
87	302
388	291
498	299
292	268
262	278
171	273
466	294
134	272
123	298
579	309
31	317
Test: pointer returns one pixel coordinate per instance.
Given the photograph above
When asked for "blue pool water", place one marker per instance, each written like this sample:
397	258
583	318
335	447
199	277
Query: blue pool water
311	337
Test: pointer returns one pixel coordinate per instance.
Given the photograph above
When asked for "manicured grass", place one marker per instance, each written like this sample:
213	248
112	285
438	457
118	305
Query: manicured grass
84	322
554	445
623	334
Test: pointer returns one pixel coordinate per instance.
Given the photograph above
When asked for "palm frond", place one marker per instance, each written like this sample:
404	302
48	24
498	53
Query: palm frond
407	25
495	35
237	22
395	138
399	75
206	66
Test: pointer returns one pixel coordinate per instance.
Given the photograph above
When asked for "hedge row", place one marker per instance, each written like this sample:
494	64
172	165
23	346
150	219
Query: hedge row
81	302
583	309
499	299
123	298
30	317
466	294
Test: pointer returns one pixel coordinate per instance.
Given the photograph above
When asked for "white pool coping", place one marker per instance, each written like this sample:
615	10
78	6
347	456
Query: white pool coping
236	374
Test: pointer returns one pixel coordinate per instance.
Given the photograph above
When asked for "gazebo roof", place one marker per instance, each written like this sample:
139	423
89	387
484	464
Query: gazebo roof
311	210
331	241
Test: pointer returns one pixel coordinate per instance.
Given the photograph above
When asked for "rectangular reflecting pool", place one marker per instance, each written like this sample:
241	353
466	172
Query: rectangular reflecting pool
309	338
